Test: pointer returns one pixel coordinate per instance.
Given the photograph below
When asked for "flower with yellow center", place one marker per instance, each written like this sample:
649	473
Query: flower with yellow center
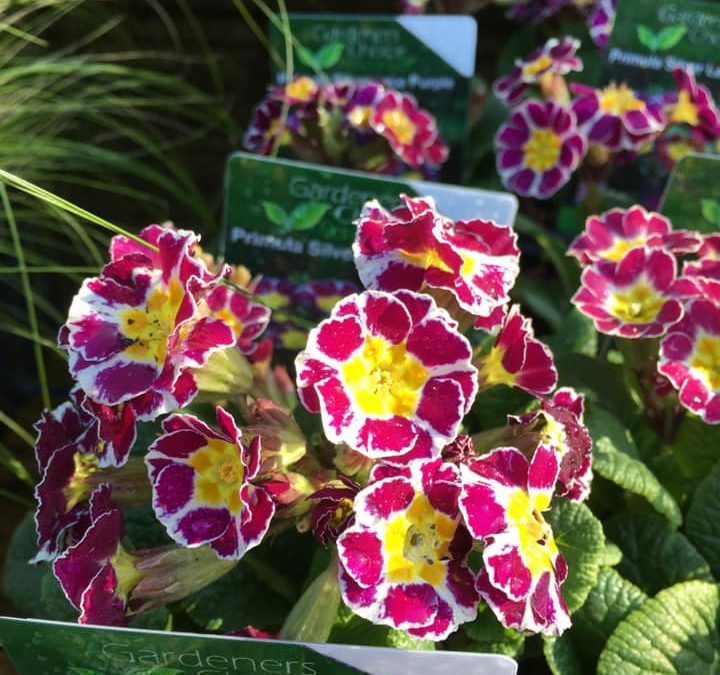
220	474
618	99
705	359
542	150
538	65
400	124
301	89
638	304
684	111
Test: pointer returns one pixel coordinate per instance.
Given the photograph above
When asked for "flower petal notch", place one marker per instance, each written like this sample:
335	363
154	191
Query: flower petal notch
612	234
134	332
390	375
518	359
690	359
502	501
638	297
202	489
404	560
414	247
538	149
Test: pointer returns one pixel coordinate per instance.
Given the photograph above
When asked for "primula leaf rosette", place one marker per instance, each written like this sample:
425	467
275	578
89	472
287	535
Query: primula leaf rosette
416	248
690	359
638	297
135	332
403	561
390	375
503	499
538	149
202	489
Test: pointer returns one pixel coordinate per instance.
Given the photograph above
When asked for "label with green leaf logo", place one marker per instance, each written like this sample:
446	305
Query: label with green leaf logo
692	197
431	57
651	37
288	218
53	648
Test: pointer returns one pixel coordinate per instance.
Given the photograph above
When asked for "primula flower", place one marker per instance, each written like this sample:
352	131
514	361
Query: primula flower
710	247
411	131
266	128
538	149
615	118
503	499
390	375
638	297
323	295
135	332
602	21
360	103
555	57
560	426
275	293
333	509
693	105
518	359
246	318
403	561
202	489
690	359
612	234
416	248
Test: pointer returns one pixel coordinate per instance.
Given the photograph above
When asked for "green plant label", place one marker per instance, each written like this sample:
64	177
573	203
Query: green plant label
55	648
288	218
651	37
692	197
431	57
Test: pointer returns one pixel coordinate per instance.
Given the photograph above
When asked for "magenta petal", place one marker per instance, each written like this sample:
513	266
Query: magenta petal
412	606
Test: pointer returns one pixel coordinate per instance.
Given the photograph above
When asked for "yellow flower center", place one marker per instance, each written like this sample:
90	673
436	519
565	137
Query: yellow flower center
219	474
417	543
384	379
492	371
705	360
537	544
617	100
638	304
360	116
430	257
684	111
543	62
231	320
342	511
302	89
127	575
400	124
147	330
620	247
542	150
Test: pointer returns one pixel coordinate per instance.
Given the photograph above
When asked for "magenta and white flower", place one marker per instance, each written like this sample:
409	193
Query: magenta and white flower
693	105
518	359
539	148
202	485
503	499
415	247
690	359
266	128
612	234
246	318
323	295
638	297
560	426
601	22
404	560
555	57
333	509
390	375
135	332
616	118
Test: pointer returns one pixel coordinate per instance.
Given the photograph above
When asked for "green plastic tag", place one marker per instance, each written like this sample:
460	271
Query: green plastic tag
287	218
651	37
692	198
431	57
53	648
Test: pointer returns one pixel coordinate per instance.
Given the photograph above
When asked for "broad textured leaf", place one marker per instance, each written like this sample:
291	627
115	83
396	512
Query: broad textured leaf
674	633
696	447
308	215
615	459
668	37
711	210
328	55
275	213
143	529
576	334
654	556
702	525
490	636
609	602
611	555
562	655
579	535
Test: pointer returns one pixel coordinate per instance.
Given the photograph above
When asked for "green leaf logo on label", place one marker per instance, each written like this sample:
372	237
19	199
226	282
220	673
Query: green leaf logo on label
308	215
326	57
711	211
664	39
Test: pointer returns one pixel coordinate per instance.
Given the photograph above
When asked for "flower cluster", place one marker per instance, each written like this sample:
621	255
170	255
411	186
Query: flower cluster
638	282
361	126
390	485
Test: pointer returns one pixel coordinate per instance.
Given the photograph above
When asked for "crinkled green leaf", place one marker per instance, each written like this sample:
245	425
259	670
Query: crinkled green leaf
696	447
615	459
562	655
702	525
609	602
576	333
654	556
611	555
674	633
579	535
488	635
